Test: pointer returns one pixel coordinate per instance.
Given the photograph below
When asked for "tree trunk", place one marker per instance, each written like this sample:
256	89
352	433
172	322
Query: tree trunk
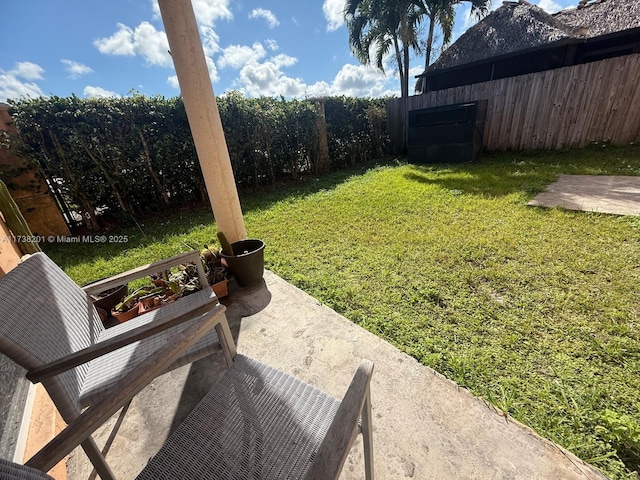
405	80
429	46
404	31
123	205
80	195
152	172
400	65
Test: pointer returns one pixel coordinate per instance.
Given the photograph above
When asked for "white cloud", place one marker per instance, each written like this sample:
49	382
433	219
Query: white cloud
334	13
98	92
206	11
268	79
173	82
268	15
237	56
75	69
145	41
151	44
359	80
213	71
28	71
18	82
469	19
282	60
549	6
272	44
210	40
120	43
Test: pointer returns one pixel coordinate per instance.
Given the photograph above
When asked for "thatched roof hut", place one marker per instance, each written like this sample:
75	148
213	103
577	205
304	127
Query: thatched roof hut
510	28
524	34
602	17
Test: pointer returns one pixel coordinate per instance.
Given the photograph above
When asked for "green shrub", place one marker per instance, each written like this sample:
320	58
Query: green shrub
129	157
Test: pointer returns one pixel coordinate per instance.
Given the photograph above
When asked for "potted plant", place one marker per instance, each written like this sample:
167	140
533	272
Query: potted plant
217	273
186	279
137	302
245	259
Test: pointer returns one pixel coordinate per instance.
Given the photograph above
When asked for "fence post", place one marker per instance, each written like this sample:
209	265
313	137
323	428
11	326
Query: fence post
322	154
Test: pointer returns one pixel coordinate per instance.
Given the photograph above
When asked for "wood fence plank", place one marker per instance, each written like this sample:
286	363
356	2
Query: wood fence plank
570	111
501	96
488	92
589	105
549	88
631	132
519	112
567	107
545	106
601	101
625	120
501	100
581	101
526	113
615	82
566	84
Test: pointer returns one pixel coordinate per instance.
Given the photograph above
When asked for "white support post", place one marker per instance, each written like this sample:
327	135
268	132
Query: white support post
202	112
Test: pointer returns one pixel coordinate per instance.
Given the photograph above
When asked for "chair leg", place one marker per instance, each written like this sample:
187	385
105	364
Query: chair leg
226	340
367	436
97	459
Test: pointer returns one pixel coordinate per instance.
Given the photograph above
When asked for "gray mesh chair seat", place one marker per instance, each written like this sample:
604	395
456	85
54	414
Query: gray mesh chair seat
257	422
107	370
14	471
47	320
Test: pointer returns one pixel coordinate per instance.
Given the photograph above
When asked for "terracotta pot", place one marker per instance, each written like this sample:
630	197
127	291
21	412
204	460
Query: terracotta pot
148	304
220	288
103	314
128	315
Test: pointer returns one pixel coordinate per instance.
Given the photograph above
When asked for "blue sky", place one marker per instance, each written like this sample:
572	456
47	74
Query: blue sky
293	48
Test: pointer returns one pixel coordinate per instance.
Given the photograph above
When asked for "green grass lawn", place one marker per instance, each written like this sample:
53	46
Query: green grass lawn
535	310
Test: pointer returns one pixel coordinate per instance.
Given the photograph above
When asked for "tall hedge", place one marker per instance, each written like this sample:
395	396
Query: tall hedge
135	155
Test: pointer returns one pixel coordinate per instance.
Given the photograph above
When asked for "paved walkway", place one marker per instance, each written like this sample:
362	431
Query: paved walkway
619	195
425	427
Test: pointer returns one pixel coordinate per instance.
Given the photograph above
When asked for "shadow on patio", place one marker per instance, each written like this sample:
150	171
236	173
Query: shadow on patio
424	425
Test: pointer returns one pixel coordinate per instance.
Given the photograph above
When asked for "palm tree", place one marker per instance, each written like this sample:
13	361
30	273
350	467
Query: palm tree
384	25
438	13
442	13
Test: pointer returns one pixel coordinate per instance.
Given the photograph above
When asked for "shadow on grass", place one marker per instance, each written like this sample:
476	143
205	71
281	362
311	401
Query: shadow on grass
167	224
529	173
496	174
266	196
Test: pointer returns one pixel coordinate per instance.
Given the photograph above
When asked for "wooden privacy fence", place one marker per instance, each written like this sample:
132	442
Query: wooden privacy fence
566	107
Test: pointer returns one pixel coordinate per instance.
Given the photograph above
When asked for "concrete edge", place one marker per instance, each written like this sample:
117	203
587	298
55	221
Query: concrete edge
25	425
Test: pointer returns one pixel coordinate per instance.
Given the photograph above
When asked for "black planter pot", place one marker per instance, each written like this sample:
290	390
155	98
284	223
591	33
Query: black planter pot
109	299
247	265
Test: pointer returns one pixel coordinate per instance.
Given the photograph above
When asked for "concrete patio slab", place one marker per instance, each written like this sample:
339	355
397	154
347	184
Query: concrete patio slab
425	426
619	195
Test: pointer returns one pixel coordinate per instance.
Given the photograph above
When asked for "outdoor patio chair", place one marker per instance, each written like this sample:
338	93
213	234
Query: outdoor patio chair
256	422
49	326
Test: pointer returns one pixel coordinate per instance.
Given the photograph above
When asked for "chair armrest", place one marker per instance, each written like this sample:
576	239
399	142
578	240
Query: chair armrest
335	446
68	362
94	416
139	272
